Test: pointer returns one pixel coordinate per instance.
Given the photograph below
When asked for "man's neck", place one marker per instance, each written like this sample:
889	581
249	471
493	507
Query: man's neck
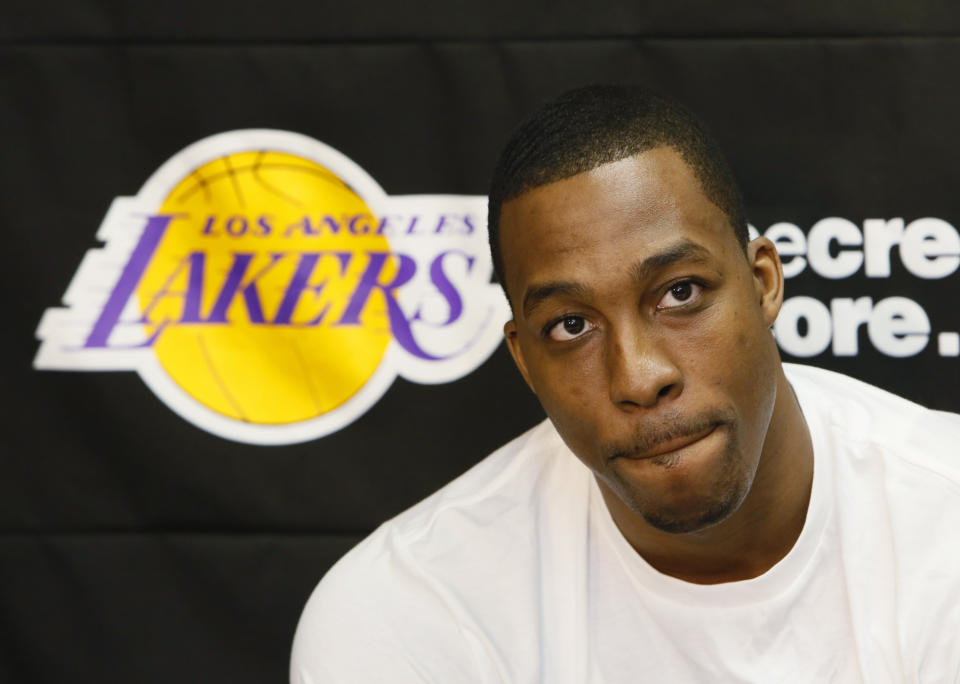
760	532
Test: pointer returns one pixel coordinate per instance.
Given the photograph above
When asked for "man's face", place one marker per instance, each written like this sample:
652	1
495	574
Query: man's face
643	329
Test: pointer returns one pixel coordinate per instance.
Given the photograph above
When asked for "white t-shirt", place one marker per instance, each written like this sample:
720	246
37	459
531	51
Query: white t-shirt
515	572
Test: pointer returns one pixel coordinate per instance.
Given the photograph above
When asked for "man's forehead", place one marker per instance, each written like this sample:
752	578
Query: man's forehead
651	180
653	194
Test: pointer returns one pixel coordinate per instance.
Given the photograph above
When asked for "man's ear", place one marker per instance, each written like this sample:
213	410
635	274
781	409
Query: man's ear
513	344
767	276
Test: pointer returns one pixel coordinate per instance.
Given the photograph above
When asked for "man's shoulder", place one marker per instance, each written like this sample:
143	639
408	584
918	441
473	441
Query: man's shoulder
845	389
896	473
497	488
908	434
416	585
504	481
897	468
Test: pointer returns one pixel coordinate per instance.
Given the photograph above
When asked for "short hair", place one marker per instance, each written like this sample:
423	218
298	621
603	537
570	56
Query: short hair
595	125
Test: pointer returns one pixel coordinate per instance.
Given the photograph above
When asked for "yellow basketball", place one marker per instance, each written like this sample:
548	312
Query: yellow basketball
272	352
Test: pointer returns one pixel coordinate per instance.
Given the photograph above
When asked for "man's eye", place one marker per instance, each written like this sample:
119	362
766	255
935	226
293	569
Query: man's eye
569	328
680	294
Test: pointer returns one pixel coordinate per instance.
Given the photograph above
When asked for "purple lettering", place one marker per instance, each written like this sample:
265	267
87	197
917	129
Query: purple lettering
236	226
364	227
194	298
299	283
234	283
332	224
208	225
265	223
128	280
446	288
370	281
194	262
303	225
382	226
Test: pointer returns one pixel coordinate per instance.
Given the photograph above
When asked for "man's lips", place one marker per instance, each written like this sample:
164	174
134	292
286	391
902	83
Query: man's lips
670	445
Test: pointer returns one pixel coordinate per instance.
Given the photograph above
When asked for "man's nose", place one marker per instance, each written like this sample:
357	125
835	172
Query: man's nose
641	370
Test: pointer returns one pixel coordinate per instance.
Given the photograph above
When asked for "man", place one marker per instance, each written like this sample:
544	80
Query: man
733	522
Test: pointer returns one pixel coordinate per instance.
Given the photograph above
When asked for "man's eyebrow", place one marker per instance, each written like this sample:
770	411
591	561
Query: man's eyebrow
535	295
681	251
684	250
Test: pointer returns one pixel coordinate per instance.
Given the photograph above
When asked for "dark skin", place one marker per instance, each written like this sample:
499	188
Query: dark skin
644	330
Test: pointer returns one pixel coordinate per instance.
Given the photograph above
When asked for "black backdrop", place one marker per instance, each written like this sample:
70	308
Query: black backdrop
137	547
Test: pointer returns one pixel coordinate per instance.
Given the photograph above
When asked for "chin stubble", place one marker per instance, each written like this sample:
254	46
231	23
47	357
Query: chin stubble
724	500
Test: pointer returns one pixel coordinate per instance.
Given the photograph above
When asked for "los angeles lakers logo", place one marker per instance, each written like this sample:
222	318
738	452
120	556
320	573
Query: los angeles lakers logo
269	291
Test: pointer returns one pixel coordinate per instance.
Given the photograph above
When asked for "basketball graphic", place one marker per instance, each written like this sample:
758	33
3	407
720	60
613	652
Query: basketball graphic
274	215
269	291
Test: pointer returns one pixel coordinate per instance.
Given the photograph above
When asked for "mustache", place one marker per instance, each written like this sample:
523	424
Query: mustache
666	428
